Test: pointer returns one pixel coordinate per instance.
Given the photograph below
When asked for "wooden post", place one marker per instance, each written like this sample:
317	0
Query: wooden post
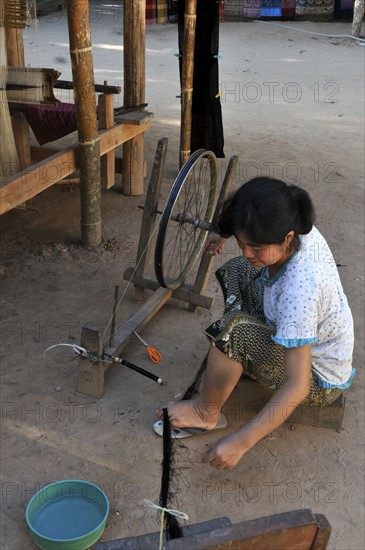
87	124
106	120
91	372
359	10
187	79
15	57
206	263
134	28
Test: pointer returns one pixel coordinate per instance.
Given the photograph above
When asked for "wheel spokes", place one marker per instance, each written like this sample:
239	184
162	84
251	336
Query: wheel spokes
186	219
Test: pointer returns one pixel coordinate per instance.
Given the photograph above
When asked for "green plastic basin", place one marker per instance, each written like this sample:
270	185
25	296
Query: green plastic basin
67	515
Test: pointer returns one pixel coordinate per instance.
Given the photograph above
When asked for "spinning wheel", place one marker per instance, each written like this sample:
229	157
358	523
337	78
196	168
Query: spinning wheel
186	219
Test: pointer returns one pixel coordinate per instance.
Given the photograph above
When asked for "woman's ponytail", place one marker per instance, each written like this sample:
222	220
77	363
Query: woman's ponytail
306	214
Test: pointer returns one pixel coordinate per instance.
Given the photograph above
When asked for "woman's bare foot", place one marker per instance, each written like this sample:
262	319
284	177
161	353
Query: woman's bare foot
191	414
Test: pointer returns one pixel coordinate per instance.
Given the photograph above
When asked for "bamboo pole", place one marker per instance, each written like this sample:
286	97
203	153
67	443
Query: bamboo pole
187	79
358	17
87	124
134	25
15	55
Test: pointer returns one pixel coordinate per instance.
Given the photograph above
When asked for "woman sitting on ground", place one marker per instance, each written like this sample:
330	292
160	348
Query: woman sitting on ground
286	323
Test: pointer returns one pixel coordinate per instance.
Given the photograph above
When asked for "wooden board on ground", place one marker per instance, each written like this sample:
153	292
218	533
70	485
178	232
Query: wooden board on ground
294	530
151	540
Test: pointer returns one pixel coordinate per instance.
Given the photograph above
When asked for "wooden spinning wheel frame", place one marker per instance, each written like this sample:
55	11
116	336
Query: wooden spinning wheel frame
188	215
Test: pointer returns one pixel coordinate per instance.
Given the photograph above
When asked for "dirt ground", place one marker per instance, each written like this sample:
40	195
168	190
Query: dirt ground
292	107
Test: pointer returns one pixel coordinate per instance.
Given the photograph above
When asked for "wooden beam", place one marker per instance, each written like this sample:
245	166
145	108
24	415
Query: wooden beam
139	319
15	58
207	261
38	153
185	292
38	177
106	120
100	88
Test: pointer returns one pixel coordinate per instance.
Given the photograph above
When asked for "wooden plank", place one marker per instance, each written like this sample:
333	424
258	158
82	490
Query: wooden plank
323	533
184	293
119	134
134	117
151	540
207	261
106	121
293	530
38	153
139	319
38	177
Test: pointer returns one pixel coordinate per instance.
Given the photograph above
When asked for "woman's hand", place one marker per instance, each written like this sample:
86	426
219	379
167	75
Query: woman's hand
227	452
214	244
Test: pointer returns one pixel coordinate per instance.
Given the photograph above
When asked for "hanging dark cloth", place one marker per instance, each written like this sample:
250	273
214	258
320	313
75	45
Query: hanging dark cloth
51	123
207	125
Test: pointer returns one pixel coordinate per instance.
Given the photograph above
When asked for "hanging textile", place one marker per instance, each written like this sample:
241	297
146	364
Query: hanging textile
251	9
51	123
172	11
162	11
270	8
207	125
150	12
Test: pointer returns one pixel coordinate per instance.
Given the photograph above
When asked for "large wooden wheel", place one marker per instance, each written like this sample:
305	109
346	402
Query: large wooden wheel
186	219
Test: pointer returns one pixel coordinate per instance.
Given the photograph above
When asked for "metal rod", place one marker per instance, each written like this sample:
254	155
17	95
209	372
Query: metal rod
112	326
185	219
137	369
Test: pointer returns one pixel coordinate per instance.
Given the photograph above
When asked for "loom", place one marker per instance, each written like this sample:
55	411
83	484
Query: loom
25	170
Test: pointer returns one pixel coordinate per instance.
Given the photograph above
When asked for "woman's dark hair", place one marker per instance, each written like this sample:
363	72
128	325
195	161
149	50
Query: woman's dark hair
265	210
